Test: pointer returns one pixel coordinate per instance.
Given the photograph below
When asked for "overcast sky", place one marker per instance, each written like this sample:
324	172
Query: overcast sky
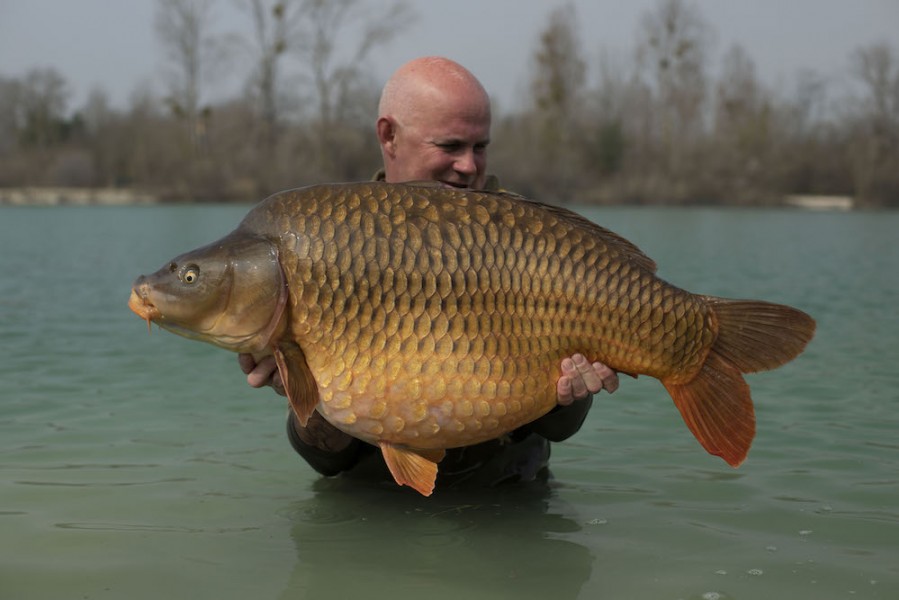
112	44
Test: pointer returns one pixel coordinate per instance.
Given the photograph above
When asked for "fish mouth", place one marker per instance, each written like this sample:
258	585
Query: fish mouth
142	306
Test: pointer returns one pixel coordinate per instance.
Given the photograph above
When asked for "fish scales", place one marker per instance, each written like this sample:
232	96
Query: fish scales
420	318
487	298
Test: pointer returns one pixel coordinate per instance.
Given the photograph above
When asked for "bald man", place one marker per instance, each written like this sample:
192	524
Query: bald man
434	125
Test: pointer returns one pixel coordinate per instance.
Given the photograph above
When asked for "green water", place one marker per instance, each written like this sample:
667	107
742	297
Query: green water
136	466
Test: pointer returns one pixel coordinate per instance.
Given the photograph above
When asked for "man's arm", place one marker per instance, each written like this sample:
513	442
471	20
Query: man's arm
327	449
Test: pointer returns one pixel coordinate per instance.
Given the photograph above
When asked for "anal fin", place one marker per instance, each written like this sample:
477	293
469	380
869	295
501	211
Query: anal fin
717	407
299	383
415	468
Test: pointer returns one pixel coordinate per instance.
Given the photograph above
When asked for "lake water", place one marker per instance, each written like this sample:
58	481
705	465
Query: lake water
142	466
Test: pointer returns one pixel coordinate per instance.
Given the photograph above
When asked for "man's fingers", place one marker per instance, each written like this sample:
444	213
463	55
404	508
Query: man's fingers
590	381
571	385
247	363
580	379
608	375
262	373
563	390
596	376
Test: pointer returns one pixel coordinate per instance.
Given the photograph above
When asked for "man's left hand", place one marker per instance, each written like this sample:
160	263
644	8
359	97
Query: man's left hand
580	379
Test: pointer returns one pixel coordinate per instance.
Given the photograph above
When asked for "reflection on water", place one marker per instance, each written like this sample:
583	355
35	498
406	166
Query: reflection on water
136	466
460	543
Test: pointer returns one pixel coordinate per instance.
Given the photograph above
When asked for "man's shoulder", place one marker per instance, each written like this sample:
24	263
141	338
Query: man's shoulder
491	184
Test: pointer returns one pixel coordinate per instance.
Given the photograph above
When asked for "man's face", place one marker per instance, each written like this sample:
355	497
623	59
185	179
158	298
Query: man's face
443	143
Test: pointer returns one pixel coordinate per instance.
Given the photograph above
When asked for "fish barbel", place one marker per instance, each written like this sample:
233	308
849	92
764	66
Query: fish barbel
419	317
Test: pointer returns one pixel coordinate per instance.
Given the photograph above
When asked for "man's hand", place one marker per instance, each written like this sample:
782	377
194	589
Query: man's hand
263	373
580	379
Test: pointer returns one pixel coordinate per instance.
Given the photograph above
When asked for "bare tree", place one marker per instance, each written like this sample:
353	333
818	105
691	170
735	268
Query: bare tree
325	25
151	133
101	128
876	143
558	83
742	137
44	97
808	102
33	123
338	37
11	121
275	33
616	112
193	52
559	67
11	113
673	43
876	67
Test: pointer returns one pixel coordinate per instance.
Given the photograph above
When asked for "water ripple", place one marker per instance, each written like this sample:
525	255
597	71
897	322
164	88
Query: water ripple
124	527
88	484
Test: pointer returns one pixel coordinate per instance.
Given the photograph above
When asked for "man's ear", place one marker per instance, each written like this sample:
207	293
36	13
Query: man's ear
387	134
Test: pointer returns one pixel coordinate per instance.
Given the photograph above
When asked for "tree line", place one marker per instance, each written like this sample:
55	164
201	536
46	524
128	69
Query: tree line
672	122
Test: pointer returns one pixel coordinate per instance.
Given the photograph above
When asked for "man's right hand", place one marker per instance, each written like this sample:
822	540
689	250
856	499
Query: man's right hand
263	373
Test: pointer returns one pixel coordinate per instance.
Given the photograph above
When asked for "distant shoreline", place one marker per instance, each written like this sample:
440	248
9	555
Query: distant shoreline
70	196
820	202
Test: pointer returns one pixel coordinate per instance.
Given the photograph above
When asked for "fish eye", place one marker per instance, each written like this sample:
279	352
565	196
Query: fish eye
190	274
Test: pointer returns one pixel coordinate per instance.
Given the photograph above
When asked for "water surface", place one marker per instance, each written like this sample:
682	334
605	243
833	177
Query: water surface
136	466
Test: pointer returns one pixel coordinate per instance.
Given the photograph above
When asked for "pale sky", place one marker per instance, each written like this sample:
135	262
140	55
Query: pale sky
112	44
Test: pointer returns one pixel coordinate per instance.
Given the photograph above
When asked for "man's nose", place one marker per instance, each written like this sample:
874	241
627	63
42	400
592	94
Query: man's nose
465	163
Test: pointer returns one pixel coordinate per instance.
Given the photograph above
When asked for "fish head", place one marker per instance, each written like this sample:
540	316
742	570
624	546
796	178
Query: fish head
230	293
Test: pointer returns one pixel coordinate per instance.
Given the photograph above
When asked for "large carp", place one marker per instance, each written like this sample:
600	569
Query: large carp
419	317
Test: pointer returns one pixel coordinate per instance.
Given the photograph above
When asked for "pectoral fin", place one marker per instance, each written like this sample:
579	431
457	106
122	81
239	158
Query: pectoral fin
415	468
299	383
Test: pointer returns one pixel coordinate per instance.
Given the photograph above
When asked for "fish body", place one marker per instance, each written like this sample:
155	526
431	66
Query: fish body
419	318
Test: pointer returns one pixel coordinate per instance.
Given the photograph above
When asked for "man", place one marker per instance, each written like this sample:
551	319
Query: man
434	124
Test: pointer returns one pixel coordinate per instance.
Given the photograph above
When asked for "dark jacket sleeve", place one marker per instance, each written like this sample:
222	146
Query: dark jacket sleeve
562	422
325	462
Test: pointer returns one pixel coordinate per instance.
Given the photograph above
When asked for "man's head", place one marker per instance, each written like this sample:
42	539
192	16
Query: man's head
434	124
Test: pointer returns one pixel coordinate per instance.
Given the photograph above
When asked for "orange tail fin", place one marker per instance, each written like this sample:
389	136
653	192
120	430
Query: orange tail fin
752	336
